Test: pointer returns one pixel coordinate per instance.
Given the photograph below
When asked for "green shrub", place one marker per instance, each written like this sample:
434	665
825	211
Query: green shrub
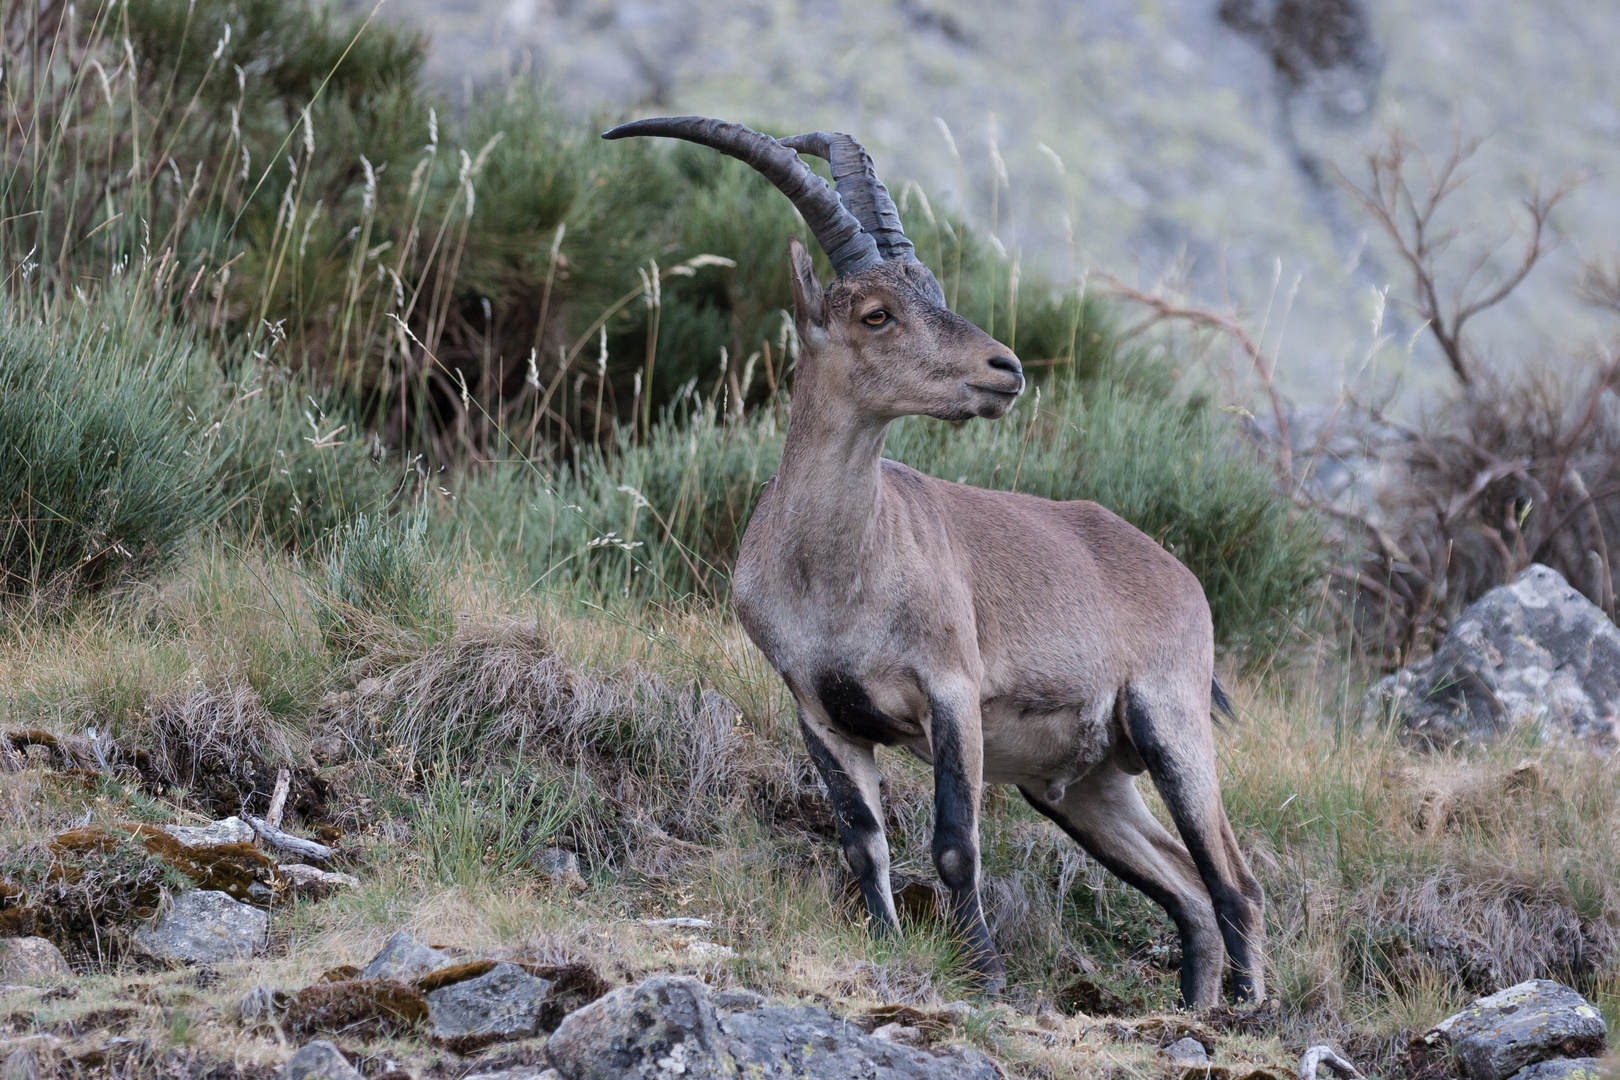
663	520
293	463
102	473
381	576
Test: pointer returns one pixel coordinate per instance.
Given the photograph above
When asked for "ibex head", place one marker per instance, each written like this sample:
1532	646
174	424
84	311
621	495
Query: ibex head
879	336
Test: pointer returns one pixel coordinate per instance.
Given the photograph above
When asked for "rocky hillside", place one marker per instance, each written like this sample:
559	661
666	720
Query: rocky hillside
1200	134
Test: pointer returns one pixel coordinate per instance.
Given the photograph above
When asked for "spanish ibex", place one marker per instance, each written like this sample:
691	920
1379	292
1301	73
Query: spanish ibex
1001	637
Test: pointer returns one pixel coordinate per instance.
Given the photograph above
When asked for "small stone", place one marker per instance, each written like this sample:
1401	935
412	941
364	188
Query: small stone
205	927
1533	1021
899	1033
319	1060
682	922
552	861
737	1000
329	750
406	959
315	884
1185	1053
231	830
709	950
32	961
506	1003
560	867
1585	1068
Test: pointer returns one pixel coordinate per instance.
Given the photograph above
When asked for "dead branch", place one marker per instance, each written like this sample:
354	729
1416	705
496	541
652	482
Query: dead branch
1408	213
1165	310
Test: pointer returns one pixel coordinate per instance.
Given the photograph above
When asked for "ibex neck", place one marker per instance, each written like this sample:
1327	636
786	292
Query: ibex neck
829	484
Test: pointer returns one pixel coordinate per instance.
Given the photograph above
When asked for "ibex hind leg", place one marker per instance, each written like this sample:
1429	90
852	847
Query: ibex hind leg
1105	814
1172	734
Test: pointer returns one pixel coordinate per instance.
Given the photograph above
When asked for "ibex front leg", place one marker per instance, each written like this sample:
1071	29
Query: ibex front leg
849	769
958	749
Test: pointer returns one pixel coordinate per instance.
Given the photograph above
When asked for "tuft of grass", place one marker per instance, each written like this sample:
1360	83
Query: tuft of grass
102	473
487	827
381	577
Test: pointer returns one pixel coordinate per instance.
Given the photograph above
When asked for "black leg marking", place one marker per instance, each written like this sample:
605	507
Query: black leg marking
849	708
859	830
956	842
1196	808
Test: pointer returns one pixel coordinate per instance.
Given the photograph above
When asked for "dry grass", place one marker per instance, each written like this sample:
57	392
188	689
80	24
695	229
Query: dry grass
1400	882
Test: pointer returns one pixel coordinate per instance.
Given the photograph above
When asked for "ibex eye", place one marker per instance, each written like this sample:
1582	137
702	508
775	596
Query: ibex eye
875	318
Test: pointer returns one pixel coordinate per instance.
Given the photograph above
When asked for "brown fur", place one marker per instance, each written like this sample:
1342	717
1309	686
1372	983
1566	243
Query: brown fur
1004	638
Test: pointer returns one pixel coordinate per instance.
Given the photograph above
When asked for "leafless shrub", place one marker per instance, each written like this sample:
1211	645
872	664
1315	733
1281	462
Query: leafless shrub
1520	466
218	743
1404	195
1519	469
652	761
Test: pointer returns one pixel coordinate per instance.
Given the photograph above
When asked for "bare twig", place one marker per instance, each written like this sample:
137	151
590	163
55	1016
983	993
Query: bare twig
1317	1056
1164	309
273	836
278	799
1408	214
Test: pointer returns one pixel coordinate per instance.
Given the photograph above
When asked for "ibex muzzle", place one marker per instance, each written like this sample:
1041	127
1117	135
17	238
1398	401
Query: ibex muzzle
1000	637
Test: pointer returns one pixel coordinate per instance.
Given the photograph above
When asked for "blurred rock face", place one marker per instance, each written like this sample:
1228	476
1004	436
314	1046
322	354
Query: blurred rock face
1194	134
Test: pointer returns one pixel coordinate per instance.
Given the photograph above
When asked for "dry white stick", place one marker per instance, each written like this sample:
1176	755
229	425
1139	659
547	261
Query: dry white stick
278	799
273	836
1318	1056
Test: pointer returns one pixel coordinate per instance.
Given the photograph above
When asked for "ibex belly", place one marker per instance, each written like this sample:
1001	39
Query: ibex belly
1045	745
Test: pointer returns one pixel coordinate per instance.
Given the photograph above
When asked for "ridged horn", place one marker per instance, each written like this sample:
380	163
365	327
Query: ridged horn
860	189
849	247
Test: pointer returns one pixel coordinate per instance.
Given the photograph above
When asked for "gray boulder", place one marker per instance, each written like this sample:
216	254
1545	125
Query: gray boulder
231	830
1186	1053
405	959
667	1026
816	1045
204	926
1532	1022
1563	1069
504	1003
32	961
318	1060
1533	652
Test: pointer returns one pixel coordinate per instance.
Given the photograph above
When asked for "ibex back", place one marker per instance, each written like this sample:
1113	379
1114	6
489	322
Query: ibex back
1002	638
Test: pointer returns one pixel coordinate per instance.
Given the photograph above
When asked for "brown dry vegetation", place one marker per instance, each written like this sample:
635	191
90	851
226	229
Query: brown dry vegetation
1400	883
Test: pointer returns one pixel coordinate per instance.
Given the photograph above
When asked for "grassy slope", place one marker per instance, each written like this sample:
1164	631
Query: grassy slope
1399	884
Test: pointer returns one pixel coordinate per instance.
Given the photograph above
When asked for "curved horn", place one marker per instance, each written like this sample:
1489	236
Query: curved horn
849	247
860	189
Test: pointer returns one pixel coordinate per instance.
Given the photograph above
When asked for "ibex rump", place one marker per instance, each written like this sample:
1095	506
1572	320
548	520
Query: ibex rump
1001	637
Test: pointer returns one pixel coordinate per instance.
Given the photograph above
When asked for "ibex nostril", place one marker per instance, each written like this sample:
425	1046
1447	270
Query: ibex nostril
1008	364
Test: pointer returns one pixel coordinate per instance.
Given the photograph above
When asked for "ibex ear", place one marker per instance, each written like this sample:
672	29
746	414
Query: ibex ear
808	306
